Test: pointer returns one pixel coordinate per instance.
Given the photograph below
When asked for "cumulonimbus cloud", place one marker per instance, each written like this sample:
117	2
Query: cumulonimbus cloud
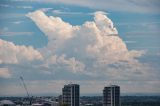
91	44
92	48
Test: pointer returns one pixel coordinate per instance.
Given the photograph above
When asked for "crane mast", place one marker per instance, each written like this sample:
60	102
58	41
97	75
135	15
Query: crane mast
25	87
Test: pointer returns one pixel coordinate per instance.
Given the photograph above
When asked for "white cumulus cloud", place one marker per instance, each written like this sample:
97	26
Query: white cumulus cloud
14	54
4	73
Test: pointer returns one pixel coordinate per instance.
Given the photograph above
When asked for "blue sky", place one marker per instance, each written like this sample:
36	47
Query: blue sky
79	44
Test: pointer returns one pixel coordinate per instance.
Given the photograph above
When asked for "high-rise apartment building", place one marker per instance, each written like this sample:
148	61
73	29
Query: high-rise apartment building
111	95
70	94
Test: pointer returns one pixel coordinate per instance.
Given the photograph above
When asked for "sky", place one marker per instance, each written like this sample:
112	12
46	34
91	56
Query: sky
93	43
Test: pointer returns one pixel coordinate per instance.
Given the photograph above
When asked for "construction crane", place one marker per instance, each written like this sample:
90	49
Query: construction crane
25	87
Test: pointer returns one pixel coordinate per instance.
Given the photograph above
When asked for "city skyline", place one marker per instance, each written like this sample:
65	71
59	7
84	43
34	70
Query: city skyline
93	43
